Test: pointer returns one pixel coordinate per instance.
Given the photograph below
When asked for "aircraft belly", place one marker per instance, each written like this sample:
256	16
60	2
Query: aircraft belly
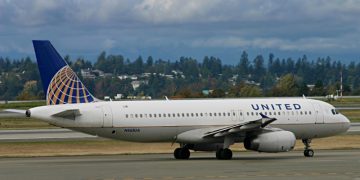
136	134
310	130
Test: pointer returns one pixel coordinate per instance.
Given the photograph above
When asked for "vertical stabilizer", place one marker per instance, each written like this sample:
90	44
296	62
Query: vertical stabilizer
60	83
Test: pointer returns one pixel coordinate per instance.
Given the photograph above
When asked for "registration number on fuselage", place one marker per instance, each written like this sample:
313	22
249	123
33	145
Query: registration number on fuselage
131	130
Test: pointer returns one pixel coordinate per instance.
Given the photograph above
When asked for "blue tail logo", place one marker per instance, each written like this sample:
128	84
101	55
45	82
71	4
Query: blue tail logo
61	84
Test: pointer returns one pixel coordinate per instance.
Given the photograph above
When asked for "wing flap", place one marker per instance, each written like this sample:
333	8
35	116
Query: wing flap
242	127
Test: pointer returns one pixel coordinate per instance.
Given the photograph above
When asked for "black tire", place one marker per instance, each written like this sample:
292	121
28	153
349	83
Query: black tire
309	153
218	153
226	154
177	154
184	153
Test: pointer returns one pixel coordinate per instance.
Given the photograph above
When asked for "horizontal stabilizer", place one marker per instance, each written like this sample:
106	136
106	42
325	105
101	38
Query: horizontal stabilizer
18	111
68	114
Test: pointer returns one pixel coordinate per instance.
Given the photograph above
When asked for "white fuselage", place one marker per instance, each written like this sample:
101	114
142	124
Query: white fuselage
163	120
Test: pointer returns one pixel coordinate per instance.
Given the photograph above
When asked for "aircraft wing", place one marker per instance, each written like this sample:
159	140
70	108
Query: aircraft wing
203	135
250	125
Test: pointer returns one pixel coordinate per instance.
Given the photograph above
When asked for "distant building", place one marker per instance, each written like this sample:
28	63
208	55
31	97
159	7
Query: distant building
207	92
136	84
118	96
310	86
87	74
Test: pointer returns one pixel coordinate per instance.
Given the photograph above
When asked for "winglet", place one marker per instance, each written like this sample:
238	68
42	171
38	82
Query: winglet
263	116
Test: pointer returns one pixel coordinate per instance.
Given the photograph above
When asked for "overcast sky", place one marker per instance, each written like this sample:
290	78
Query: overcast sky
169	29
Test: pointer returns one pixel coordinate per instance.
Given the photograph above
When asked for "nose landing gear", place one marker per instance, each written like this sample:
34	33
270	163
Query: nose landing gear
308	152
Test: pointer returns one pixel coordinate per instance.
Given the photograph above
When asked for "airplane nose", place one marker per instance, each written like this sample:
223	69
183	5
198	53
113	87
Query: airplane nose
346	122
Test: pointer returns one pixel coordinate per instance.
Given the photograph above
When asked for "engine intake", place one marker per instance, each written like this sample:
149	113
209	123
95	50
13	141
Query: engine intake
275	141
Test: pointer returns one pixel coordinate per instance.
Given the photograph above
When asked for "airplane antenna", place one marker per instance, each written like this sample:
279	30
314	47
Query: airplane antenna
166	98
304	96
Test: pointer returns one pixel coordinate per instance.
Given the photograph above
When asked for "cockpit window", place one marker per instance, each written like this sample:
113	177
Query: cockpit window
334	111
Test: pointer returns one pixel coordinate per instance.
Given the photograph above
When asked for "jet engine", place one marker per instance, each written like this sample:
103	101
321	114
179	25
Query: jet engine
274	141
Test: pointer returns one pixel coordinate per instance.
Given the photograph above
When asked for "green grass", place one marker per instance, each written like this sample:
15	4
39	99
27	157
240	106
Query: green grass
353	115
23	123
22	105
352	102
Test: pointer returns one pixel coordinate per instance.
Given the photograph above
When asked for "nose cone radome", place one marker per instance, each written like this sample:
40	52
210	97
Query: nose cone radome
345	123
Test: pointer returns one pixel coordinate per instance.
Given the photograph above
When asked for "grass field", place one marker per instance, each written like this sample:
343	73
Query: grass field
106	147
23	105
23	123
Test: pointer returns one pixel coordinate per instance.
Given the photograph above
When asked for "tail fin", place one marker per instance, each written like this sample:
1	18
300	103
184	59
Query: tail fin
60	83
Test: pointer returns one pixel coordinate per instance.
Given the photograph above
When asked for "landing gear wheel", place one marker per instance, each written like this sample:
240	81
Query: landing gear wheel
308	153
181	153
224	154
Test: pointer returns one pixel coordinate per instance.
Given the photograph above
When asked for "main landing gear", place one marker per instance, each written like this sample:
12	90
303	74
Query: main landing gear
308	152
224	154
182	153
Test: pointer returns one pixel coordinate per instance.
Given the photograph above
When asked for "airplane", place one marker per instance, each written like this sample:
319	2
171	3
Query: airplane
262	124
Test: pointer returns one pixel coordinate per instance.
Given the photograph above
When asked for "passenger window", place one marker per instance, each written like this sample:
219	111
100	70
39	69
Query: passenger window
229	114
164	115
219	114
214	114
150	115
224	114
192	114
247	113
159	115
182	114
233	114
178	114
173	114
136	115
140	115
210	114
270	113
301	113
154	115
126	115
131	116
265	113
279	113
187	114
201	114
310	112
196	114
305	112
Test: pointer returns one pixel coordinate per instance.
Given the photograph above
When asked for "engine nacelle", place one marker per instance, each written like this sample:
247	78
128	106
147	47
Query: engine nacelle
275	141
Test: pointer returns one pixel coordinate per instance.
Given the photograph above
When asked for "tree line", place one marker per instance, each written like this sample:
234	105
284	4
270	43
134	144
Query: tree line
188	77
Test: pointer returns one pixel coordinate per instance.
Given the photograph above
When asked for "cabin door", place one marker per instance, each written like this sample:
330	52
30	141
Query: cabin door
319	114
107	116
